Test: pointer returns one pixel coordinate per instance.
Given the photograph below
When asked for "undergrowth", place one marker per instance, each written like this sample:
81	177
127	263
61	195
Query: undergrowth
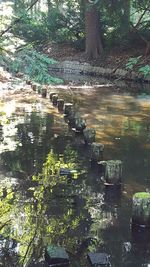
33	64
134	62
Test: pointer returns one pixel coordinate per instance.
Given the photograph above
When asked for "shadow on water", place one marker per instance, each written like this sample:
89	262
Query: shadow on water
38	206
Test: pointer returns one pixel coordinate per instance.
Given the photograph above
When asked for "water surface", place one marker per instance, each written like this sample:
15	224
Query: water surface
39	207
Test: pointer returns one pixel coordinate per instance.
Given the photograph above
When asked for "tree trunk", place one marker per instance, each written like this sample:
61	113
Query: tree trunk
94	47
125	18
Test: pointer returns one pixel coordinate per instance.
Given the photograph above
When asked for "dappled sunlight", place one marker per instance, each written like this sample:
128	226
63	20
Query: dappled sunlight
9	132
114	115
11	42
6	12
9	108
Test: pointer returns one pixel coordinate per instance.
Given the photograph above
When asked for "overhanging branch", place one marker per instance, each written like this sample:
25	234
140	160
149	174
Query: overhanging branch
17	20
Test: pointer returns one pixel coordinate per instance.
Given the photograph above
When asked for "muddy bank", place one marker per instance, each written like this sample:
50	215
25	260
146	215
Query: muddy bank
87	69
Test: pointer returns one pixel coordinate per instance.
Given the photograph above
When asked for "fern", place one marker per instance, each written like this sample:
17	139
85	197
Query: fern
34	64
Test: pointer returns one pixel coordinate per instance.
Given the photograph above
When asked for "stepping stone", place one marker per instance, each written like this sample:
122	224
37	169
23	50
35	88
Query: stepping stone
67	109
99	259
56	256
141	209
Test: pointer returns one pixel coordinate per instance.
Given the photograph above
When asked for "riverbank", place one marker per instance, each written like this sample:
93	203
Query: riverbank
112	64
87	69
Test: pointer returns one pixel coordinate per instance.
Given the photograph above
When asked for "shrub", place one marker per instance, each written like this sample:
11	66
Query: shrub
132	62
145	70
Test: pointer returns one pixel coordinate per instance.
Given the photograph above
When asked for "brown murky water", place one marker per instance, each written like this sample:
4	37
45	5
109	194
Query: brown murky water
39	207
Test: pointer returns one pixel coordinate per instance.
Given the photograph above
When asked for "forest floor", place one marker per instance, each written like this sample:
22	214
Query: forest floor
115	58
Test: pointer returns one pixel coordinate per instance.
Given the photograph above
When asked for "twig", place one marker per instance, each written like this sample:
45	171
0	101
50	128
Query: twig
1	227
118	79
140	18
30	245
118	67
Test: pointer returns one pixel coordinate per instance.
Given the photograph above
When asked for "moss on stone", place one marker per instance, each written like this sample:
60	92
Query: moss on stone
142	195
141	209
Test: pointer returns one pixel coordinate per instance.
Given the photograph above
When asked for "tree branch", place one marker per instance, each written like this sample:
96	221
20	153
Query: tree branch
17	20
2	226
147	49
29	245
140	18
136	30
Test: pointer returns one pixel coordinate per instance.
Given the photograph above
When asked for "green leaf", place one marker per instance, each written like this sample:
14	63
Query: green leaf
145	70
34	64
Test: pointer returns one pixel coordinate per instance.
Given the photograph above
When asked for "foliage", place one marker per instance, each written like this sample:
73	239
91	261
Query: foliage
34	64
57	24
145	70
132	62
66	25
63	21
31	29
115	22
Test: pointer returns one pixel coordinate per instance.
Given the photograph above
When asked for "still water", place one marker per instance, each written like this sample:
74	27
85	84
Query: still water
39	207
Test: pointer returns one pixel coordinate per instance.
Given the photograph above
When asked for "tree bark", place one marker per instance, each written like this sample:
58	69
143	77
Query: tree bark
94	47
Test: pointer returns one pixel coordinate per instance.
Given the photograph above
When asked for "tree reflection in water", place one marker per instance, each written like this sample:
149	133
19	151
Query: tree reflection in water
42	206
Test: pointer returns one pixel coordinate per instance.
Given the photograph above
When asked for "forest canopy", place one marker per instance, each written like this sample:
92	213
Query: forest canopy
117	22
91	26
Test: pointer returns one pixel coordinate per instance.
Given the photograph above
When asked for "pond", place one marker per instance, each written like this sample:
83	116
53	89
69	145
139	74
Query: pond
40	207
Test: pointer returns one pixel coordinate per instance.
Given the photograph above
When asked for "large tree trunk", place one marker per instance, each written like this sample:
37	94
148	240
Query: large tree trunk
94	47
